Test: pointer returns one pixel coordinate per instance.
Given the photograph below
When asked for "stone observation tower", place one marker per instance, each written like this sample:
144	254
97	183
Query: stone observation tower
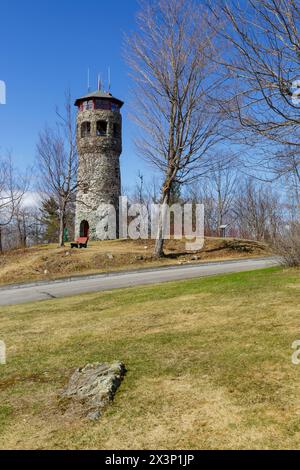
99	144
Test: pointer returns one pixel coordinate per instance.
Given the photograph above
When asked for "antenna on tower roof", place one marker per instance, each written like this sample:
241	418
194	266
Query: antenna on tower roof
88	80
108	79
99	82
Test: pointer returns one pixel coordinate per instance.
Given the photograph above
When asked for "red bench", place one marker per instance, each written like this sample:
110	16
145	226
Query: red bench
80	242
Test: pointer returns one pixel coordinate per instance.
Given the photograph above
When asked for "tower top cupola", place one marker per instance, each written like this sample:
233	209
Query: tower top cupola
99	100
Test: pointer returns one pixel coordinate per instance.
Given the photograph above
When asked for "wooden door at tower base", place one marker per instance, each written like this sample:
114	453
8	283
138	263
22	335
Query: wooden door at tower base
84	228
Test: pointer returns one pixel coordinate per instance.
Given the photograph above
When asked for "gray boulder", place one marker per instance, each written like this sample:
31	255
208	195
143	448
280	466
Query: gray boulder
94	386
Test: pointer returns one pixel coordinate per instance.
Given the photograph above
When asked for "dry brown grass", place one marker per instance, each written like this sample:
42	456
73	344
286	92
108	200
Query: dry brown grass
48	262
209	366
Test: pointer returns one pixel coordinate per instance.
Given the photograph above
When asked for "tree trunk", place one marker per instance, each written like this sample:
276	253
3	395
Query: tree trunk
159	243
61	227
1	246
24	240
22	234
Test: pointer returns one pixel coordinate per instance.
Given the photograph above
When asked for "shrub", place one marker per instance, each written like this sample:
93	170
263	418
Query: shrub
287	245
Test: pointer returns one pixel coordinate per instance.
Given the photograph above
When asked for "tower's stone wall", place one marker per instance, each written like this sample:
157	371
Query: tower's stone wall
99	180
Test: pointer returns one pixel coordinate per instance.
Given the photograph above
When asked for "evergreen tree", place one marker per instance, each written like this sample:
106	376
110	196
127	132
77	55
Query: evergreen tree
50	220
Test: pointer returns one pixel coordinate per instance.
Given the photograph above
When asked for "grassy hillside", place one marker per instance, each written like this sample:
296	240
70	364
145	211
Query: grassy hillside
49	262
209	365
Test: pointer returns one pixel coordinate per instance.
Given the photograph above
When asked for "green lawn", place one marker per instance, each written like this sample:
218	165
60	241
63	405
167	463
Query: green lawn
209	365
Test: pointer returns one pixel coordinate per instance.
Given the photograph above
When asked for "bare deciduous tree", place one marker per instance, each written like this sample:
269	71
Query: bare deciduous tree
287	169
223	182
217	192
264	36
258	210
57	162
21	219
26	227
287	244
12	190
175	79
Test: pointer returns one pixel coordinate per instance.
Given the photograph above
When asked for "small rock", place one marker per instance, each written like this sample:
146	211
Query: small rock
110	256
139	257
46	271
145	247
67	253
194	258
94	386
94	415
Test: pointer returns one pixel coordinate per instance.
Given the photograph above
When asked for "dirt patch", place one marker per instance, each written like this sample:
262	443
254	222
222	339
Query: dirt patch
12	381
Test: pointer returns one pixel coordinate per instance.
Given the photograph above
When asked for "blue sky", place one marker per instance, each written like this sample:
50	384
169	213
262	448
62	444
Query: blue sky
46	47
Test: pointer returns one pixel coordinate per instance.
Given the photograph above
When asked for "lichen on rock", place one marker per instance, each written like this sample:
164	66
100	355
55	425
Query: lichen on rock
94	387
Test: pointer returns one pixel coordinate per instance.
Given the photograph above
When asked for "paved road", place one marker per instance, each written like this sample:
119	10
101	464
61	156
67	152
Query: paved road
104	282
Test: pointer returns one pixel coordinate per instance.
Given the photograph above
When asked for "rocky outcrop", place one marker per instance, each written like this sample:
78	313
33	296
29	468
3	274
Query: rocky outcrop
94	387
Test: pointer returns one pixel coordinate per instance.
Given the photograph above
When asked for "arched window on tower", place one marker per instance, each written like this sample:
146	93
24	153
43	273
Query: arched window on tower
86	105
101	128
85	129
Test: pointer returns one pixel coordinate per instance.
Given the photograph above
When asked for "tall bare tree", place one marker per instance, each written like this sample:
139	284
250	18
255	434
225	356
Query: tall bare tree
12	190
287	169
57	162
263	38
223	182
175	79
217	192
